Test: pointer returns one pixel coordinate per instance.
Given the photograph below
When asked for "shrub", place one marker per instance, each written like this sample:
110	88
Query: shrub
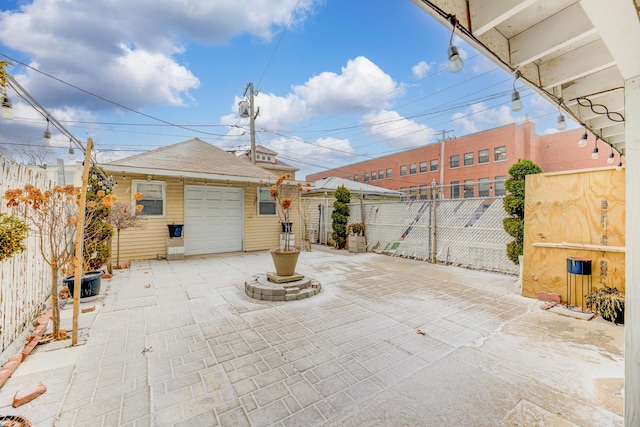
514	205
340	216
13	232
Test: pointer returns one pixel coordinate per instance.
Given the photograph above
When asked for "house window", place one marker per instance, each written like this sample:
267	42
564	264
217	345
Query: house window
424	192
380	174
153	197
374	175
468	188
266	203
423	167
355	177
500	190
455	189
389	173
434	165
403	170
366	177
412	169
483	156
454	161
468	159
483	187
500	153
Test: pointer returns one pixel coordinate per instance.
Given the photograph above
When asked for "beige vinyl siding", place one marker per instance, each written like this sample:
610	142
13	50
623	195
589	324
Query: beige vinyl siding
149	240
263	232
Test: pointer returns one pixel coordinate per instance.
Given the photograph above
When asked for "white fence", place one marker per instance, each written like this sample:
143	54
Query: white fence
25	278
468	232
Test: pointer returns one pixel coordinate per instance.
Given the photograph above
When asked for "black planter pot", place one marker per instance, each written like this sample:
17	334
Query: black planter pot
617	318
175	230
89	285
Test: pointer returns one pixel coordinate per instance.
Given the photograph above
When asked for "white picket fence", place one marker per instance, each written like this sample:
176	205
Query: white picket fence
25	278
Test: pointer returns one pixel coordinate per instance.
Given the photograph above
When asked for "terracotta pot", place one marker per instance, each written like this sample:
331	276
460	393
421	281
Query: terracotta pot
285	262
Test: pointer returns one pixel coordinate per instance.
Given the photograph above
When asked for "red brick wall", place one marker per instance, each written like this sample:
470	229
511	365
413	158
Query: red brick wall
555	152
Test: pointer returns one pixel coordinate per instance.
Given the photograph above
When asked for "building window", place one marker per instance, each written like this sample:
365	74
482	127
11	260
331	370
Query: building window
483	187
403	170
434	165
412	169
454	161
468	188
355	177
424	192
455	189
266	203
468	159
413	193
403	190
500	153
389	171
500	190
366	177
380	174
373	175
423	167
483	156
153	197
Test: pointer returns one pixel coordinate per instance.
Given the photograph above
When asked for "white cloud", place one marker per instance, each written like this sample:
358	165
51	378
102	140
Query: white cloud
479	117
420	69
396	130
128	51
306	155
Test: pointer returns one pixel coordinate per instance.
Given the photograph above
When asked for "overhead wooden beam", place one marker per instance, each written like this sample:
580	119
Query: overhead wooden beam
601	81
612	131
562	29
580	62
487	14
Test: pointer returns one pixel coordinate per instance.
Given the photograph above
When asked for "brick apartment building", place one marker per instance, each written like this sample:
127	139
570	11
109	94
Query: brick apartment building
475	165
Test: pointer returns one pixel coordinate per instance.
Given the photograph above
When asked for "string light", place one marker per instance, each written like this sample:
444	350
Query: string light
611	157
516	102
583	139
455	62
594	153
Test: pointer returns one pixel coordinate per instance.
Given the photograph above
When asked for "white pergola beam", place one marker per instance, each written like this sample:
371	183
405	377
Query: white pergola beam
562	29
600	121
612	131
486	14
622	37
602	81
581	62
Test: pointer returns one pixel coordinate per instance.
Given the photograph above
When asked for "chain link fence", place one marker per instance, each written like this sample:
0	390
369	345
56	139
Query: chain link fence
461	232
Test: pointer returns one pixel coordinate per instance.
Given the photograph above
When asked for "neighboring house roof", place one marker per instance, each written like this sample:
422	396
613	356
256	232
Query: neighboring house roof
330	184
192	158
244	152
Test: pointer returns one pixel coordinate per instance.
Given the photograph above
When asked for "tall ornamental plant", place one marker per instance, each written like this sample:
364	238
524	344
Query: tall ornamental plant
340	216
52	214
514	206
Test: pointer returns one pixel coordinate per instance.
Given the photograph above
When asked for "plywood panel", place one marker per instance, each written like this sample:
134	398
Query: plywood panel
580	208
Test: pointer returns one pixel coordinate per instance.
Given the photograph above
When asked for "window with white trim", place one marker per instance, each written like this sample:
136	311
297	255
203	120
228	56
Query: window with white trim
154	195
266	203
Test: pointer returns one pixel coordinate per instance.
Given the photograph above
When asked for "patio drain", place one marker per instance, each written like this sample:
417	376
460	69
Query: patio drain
262	288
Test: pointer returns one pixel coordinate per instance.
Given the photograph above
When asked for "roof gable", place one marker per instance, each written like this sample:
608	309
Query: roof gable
194	156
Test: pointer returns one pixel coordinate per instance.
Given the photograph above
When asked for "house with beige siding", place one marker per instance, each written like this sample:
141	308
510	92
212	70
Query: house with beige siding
222	201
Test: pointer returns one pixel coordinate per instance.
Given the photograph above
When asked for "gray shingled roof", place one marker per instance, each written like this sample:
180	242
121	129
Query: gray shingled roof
331	183
193	156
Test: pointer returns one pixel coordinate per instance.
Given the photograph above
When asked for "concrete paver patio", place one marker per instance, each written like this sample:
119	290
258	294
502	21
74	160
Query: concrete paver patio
179	343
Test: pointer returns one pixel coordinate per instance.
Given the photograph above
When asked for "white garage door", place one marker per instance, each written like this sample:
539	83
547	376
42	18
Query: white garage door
212	219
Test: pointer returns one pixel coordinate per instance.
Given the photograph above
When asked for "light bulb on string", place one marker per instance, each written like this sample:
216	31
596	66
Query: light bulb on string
455	62
594	154
582	142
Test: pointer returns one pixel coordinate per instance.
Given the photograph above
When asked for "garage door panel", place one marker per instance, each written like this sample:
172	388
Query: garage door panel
213	219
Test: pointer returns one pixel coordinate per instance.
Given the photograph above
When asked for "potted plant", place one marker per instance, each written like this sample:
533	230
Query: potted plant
285	258
13	232
123	217
357	243
608	302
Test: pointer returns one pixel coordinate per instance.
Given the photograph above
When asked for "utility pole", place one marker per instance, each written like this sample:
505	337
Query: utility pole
252	124
442	141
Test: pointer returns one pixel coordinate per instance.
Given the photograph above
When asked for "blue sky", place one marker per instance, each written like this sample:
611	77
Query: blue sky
337	82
